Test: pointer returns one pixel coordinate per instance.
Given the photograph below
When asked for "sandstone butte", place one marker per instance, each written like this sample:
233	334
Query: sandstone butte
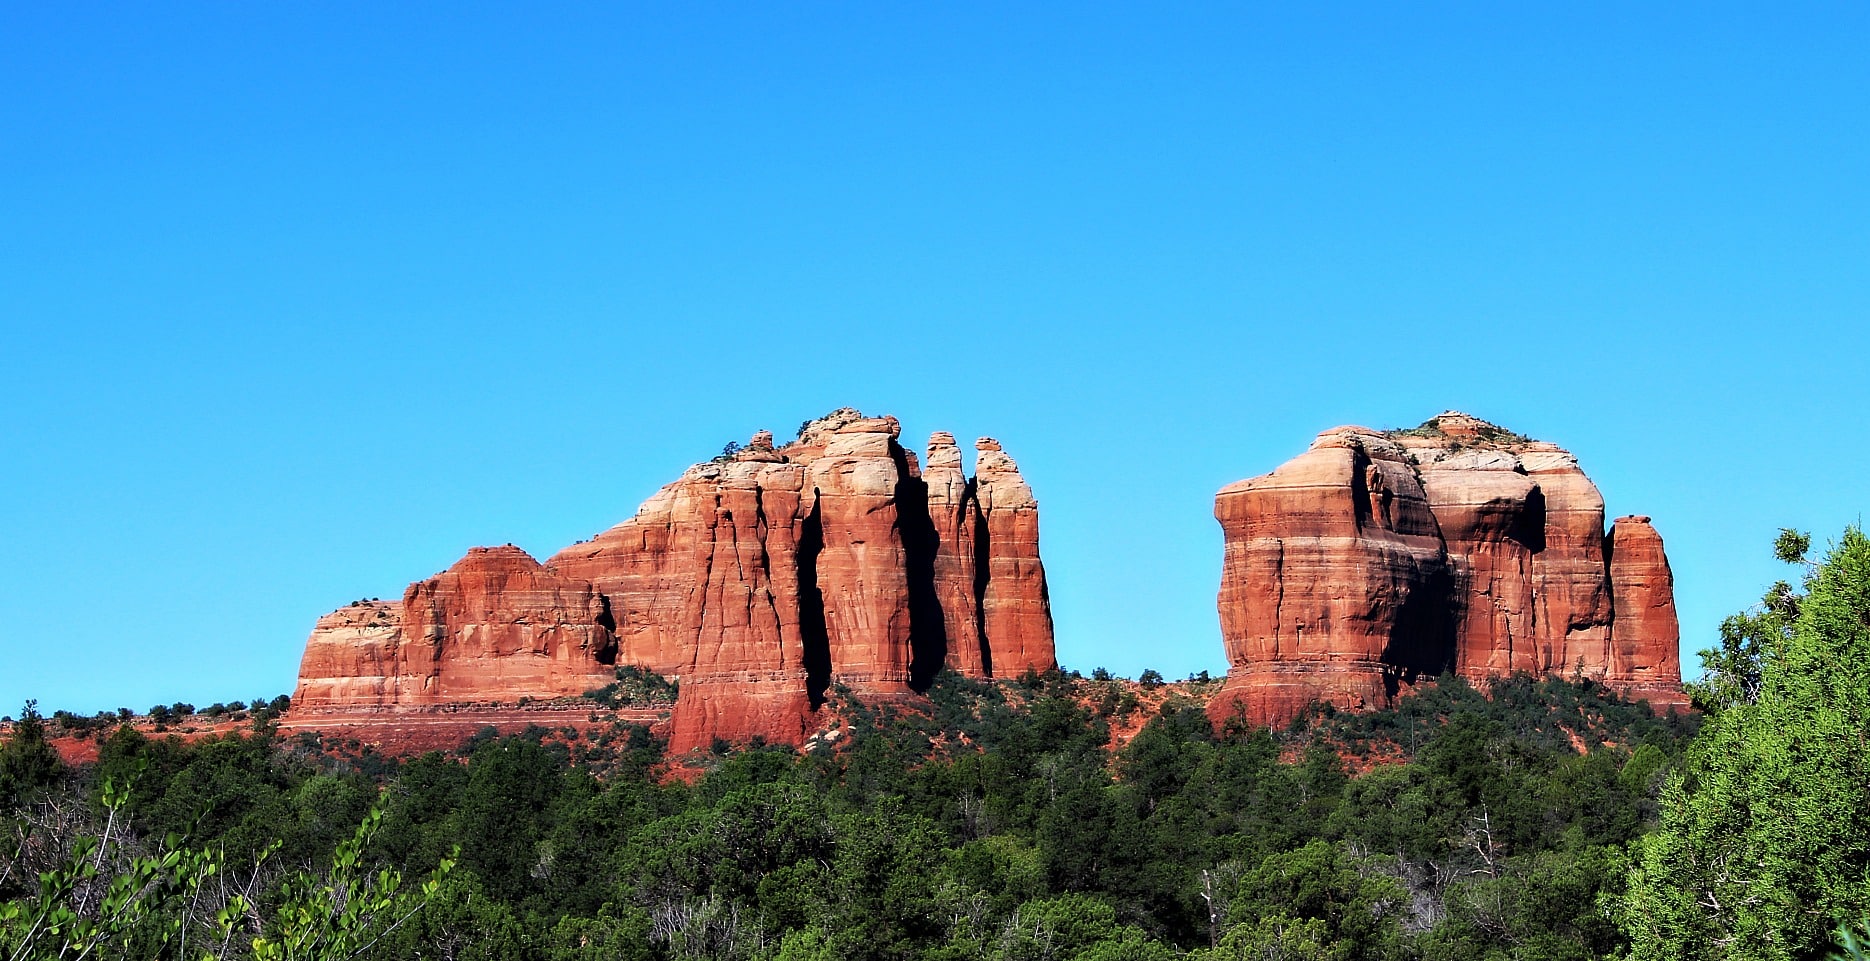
757	580
1377	558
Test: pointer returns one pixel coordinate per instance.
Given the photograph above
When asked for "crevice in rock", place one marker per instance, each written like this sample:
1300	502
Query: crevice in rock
765	592
928	632
699	604
982	572
762	529
606	653
1421	642
1279	599
812	630
1529	527
1610	585
749	589
1360	489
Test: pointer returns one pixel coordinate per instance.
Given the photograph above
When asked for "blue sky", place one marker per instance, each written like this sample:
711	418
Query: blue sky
299	302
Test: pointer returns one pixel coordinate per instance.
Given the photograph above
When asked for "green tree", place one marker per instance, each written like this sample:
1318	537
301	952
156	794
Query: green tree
1277	938
807	944
1357	903
27	762
504	808
1764	847
104	898
345	912
1731	673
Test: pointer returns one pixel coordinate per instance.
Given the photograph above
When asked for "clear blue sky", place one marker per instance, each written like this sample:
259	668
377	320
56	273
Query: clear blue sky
300	301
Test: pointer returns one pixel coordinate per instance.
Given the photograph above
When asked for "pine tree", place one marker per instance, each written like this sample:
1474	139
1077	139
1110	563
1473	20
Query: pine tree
27	762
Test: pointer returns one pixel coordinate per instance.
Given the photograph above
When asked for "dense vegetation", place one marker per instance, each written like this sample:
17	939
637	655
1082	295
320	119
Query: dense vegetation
1764	848
1545	821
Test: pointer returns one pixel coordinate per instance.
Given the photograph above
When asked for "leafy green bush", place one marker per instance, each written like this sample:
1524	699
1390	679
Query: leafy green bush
635	687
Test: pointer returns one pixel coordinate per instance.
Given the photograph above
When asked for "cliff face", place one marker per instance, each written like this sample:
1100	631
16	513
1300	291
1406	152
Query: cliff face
758	580
1643	657
1016	614
1374	559
496	626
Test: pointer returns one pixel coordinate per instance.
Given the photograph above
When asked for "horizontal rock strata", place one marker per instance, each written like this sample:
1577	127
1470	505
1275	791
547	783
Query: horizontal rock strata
758	579
1377	558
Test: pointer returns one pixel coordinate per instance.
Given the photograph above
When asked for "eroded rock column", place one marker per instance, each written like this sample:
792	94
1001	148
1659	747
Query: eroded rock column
1016	607
956	516
861	570
1644	635
1570	581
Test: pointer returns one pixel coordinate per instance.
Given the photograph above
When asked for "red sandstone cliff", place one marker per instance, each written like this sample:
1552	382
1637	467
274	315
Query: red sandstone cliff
954	521
1332	572
759	580
862	565
1376	558
1016	614
495	626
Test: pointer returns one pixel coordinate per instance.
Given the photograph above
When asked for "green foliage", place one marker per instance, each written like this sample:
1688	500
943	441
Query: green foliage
993	821
808	943
1791	546
1549	713
347	911
635	687
27	762
1853	943
1491	433
1732	672
1276	937
1348	902
105	895
1764	847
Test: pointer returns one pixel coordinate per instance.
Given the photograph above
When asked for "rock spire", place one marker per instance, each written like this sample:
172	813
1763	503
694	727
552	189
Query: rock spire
758	579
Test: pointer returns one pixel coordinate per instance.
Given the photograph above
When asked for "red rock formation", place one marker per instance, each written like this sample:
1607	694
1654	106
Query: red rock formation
745	673
646	566
496	626
954	514
1643	635
1490	520
1016	610
1375	558
1333	575
354	658
1570	581
862	569
758	579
